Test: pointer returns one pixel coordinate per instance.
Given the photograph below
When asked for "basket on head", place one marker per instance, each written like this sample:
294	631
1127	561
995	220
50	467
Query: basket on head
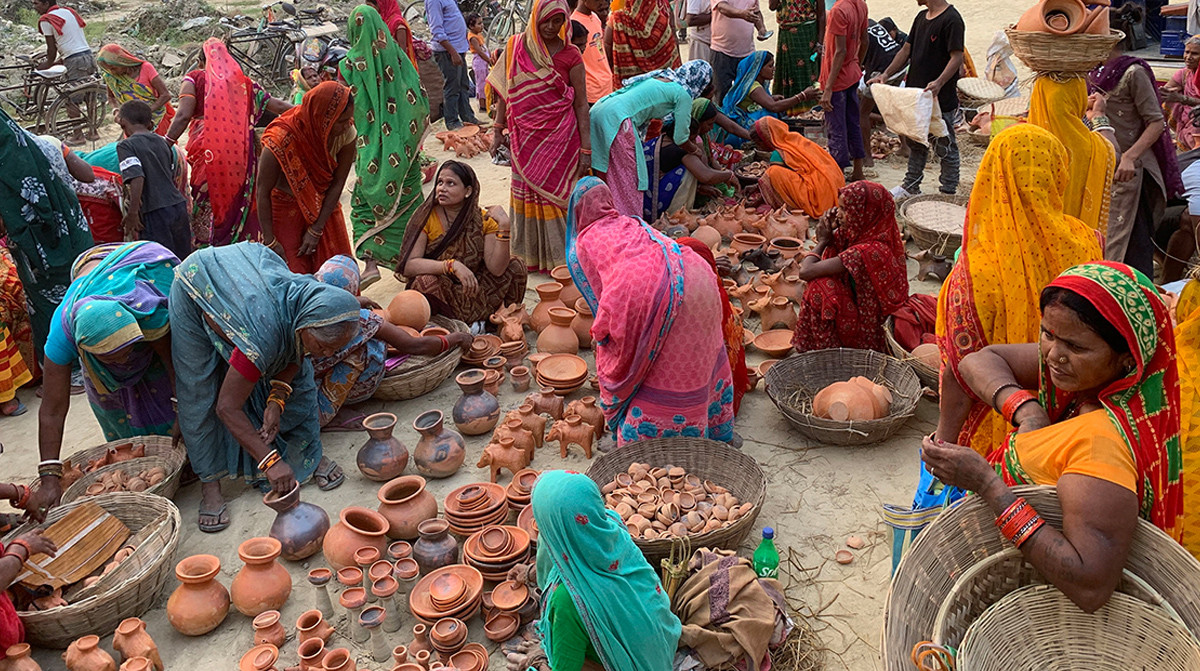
1050	53
974	92
707	459
929	376
795	381
966	534
420	374
935	221
1037	627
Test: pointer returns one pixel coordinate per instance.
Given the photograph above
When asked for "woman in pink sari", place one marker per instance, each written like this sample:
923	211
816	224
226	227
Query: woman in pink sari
542	100
660	348
1182	94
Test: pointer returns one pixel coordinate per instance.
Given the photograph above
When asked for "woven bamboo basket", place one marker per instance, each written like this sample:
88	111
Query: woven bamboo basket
128	590
975	92
793	382
709	460
932	225
966	534
929	376
156	446
1047	52
1037	628
419	375
173	465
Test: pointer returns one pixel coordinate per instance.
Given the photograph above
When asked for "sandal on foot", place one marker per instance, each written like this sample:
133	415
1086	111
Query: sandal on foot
368	280
321	475
19	410
222	515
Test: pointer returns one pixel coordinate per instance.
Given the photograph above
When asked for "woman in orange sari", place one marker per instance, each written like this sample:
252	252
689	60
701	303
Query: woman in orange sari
802	175
642	39
307	154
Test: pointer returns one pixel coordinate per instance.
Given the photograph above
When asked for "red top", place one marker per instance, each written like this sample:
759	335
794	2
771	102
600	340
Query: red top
849	19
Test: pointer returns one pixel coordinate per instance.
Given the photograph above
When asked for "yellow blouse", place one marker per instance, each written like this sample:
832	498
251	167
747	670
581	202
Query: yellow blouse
435	230
1089	444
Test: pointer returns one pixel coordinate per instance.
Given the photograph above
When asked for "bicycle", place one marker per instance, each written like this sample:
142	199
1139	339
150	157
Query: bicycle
52	105
500	21
268	51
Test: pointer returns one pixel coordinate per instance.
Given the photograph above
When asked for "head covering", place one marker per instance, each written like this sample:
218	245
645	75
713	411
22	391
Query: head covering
57	22
868	242
732	329
227	93
340	271
747	75
817	177
703	109
693	76
1058	107
470	217
115	55
393	15
643	39
300	139
586	548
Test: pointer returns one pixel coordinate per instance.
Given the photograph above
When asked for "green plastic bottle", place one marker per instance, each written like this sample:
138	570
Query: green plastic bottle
766	557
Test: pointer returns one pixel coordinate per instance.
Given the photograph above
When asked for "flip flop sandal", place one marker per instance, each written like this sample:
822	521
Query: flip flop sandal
222	515
21	409
323	474
368	280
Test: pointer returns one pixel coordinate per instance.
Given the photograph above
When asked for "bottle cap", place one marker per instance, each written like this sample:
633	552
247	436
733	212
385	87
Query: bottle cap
768	532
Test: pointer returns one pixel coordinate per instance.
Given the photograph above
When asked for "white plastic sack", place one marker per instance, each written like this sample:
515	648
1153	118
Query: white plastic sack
909	112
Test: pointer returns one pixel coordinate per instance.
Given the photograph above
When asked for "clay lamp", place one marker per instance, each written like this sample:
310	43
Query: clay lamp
501	627
509	596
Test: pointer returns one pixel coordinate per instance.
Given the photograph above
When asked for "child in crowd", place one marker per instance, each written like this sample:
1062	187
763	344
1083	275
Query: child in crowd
481	61
841	72
157	211
579	36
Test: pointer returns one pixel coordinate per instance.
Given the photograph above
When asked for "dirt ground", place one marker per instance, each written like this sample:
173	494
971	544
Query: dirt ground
818	495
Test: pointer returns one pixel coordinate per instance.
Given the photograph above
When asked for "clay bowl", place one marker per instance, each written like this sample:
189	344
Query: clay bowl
527	524
468	660
501	627
495	541
525	478
519	547
448	635
509	596
261	656
434	331
448	592
473	501
774	343
563	368
744	242
747	337
766	366
422	605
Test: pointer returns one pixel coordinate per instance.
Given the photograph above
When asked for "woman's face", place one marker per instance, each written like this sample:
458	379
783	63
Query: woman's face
707	125
768	71
550	28
311	77
319	348
450	190
1077	357
1191	55
344	120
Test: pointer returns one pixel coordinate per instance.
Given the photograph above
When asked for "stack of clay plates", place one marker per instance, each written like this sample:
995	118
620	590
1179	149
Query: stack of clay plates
520	490
565	373
525	521
482	347
452	591
514	350
472	507
473	657
496	550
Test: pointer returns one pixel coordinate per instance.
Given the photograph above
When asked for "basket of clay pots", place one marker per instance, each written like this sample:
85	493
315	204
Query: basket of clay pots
419	374
128	451
925	362
665	489
151	474
796	386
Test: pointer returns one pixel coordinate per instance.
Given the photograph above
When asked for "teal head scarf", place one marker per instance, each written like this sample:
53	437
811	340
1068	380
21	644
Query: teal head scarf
586	548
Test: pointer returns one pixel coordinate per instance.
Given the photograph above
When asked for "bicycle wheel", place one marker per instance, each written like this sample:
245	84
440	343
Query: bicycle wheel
90	113
506	24
414	14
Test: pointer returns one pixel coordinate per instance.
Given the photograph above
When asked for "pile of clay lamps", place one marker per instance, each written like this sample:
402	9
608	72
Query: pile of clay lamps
472	507
120	481
447	636
482	347
505	617
514	351
473	657
451	591
495	550
564	373
520	491
668	502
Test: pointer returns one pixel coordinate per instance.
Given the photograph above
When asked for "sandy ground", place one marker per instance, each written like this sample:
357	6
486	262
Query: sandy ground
818	494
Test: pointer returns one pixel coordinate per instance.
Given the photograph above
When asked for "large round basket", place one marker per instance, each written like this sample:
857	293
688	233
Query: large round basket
128	590
419	374
159	452
707	459
793	382
1037	628
935	221
1047	52
929	376
966	534
156	446
975	92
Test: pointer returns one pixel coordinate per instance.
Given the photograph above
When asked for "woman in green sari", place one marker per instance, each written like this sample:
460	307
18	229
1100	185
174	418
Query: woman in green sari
391	113
801	26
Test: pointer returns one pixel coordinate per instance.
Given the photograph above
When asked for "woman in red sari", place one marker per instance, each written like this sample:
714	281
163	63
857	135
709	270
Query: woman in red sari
735	345
642	39
856	274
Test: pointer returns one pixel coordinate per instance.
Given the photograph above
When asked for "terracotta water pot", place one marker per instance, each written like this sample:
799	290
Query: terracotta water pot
356	527
1065	17
520	377
436	548
745	242
133	664
440	452
549	293
85	654
312	624
844	401
708	235
262	584
312	654
582	323
17	659
299	526
383	456
268	629
570	293
131	640
339	659
476	411
558	337
200	603
788	247
409	308
405	503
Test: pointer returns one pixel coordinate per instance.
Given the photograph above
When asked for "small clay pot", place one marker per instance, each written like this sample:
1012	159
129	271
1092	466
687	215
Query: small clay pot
339	659
558	337
582	323
312	624
312	654
260	658
17	658
262	584
200	603
382	457
268	629
549	293
520	377
436	548
85	654
405	503
131	640
570	293
299	526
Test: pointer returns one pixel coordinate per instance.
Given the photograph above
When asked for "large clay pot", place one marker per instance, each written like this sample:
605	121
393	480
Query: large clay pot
708	235
788	247
844	401
131	640
582	323
880	395
436	548
405	503
85	654
299	526
1065	17
549	293
558	337
409	308
356	527
312	624
383	456
570	292
200	603
440	452
476	411
262	584
18	659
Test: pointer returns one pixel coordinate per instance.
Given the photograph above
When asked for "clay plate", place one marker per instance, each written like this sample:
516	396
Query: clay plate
448	633
453	504
775	343
564	368
495	541
525	479
422	606
766	366
448	591
509	595
526	522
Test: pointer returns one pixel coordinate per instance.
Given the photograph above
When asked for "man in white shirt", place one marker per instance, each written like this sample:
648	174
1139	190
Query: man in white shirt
698	17
66	44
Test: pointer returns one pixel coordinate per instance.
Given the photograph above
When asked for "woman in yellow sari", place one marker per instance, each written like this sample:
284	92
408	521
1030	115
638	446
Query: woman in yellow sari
1059	107
1187	351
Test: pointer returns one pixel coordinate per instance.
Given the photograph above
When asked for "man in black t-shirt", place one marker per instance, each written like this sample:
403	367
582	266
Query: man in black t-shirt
883	43
934	53
156	210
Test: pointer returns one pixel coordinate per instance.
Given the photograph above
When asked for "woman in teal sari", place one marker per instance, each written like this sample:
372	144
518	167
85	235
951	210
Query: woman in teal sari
602	601
750	99
243	327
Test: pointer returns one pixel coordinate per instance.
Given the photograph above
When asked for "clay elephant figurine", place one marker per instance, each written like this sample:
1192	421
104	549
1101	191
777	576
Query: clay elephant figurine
523	439
572	431
503	454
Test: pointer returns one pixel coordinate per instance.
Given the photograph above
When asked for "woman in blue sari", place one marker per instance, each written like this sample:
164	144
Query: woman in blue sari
679	178
602	601
750	99
242	326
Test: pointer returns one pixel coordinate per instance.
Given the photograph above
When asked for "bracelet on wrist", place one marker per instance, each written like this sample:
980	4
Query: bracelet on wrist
284	389
17	542
445	343
1013	403
270	460
1001	388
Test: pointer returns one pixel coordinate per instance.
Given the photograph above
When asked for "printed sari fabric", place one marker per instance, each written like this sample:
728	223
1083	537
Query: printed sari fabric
848	309
124	88
13	371
586	549
13	313
1144	404
795	69
1058	107
1016	239
1181	115
737	104
354	372
669	191
731	327
107	322
805	177
1187	343
220	149
257	306
544	135
300	139
642	38
660	356
391	114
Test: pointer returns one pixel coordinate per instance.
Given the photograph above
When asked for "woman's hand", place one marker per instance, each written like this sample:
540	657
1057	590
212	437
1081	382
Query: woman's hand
956	465
499	139
1031	417
498	213
39	543
585	164
460	340
1126	169
825	227
312	237
1097	106
270	423
47	495
367	303
724	266
281	476
466	277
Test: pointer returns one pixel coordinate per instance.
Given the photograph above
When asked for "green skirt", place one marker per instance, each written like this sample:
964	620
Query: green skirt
795	69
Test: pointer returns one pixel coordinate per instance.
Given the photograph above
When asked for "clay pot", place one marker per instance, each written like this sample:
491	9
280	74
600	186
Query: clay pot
440	452
131	640
268	629
312	653
339	659
403	549
356	527
85	654
520	376
299	526
260	658
17	659
880	395
928	354
570	293
476	411
200	603
405	503
708	235
558	337
409	308
382	457
491	382
134	664
745	242
787	286
420	642
350	576
262	584
549	293
531	421
1064	17
436	548
788	247
777	312
582	323
312	624
844	401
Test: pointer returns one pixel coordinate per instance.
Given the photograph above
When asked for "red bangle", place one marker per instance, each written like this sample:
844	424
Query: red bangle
1026	532
28	550
1011	510
445	343
1013	403
1019	524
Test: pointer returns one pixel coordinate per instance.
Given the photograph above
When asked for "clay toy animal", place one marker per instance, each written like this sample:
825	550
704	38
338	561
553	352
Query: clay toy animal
533	422
503	454
790	286
512	320
523	439
932	266
589	412
572	431
546	402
